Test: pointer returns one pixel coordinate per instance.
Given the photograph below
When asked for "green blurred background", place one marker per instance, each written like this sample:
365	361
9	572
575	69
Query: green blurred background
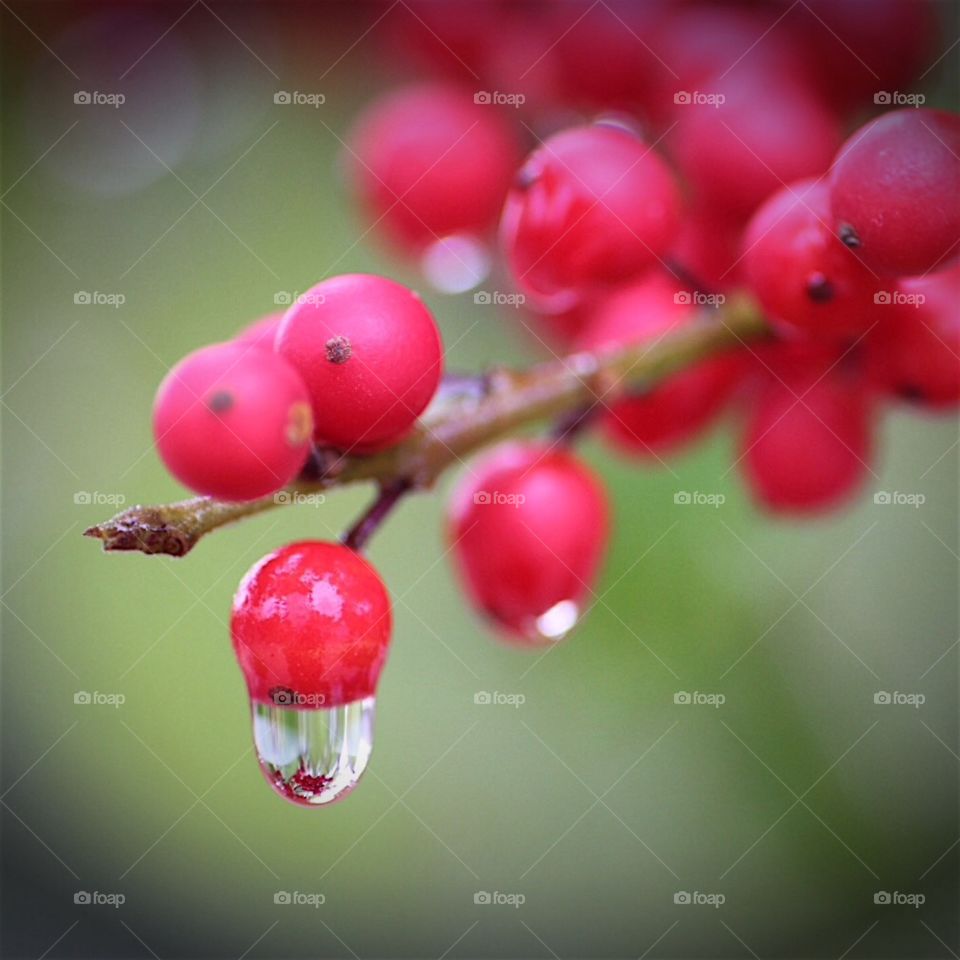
599	798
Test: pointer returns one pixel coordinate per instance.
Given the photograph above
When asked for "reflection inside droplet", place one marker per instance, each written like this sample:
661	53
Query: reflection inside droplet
313	757
558	621
455	264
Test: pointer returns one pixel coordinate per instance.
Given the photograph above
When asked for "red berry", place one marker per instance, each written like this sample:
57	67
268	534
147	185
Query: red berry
261	333
895	191
800	271
766	132
592	207
233	421
370	355
311	625
807	441
312	618
914	352
681	407
428	163
528	529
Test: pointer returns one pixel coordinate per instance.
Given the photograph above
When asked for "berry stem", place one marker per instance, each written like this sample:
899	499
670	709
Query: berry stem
390	494
453	429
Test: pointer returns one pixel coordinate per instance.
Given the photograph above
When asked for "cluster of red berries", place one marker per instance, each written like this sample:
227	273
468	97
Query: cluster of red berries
724	175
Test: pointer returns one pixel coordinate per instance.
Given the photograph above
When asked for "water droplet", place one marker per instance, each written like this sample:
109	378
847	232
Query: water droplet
455	264
313	757
558	621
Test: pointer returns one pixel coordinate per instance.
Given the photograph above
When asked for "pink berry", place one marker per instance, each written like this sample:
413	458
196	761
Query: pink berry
592	207
428	162
807	444
313	618
895	191
233	421
528	528
914	351
766	132
802	274
681	407
371	357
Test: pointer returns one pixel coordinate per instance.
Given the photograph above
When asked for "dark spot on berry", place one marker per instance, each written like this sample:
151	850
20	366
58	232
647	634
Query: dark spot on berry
819	288
848	236
339	350
220	402
525	178
911	393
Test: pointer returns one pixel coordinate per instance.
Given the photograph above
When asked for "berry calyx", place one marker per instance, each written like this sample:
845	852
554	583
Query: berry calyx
914	352
801	272
592	207
370	355
528	528
428	162
895	191
233	421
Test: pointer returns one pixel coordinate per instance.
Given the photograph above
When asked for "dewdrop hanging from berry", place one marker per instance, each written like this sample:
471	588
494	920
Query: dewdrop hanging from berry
311	624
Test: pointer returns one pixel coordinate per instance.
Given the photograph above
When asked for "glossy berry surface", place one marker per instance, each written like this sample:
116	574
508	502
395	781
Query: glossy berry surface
427	162
806	445
895	191
371	357
914	351
800	271
682	406
528	527
233	421
313	620
592	207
